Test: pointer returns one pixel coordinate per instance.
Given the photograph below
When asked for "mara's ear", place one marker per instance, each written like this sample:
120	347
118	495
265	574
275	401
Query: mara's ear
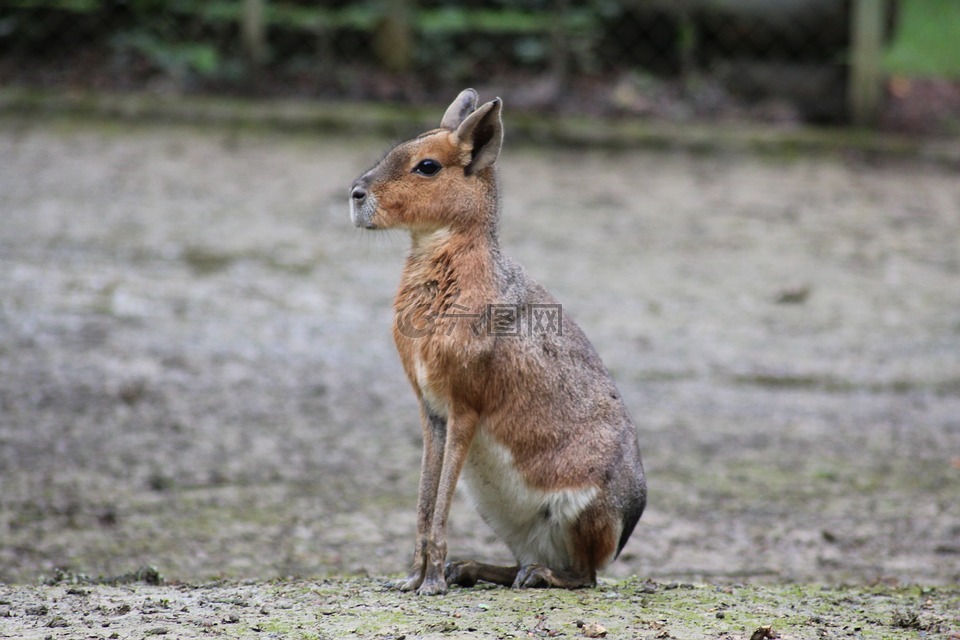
459	109
482	131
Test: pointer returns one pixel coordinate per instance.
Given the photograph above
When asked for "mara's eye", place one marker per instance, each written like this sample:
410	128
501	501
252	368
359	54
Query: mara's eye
427	167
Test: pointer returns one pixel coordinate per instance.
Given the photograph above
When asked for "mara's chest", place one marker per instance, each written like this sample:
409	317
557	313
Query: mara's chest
442	345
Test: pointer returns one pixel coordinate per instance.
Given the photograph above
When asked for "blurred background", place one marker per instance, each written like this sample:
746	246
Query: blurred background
892	63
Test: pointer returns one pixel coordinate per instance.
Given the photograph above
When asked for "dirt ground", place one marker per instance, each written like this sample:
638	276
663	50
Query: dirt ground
196	370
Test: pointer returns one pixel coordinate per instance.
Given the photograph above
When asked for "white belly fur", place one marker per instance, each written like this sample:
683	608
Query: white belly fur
516	511
434	402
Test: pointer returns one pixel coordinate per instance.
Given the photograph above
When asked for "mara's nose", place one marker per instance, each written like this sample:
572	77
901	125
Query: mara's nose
358	193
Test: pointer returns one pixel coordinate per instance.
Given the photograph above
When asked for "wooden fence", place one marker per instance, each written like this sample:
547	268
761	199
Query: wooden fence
395	43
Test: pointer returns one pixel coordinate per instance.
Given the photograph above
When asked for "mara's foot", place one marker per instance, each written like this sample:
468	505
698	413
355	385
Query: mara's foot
432	586
536	576
467	573
411	583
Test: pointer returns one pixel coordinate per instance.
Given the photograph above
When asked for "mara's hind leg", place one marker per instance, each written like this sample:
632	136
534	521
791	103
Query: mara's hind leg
592	541
467	573
534	576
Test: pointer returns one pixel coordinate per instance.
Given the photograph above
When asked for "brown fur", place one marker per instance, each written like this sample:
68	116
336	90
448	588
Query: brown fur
542	400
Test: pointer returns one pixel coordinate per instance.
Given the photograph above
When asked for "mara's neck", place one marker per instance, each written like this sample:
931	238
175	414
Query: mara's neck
448	268
469	253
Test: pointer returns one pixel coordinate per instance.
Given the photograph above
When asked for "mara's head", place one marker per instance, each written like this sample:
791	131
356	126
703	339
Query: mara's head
441	178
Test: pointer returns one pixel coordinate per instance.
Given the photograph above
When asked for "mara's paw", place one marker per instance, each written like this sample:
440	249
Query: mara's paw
533	576
537	576
411	583
462	573
433	587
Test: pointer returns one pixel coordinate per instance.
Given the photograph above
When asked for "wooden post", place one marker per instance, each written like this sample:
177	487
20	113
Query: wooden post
687	43
254	32
393	40
559	48
865	85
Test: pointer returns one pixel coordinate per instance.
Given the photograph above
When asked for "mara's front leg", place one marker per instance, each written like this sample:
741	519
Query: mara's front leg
460	431
434	440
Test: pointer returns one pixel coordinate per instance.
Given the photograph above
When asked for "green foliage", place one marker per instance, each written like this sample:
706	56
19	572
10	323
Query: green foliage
75	6
174	58
927	42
